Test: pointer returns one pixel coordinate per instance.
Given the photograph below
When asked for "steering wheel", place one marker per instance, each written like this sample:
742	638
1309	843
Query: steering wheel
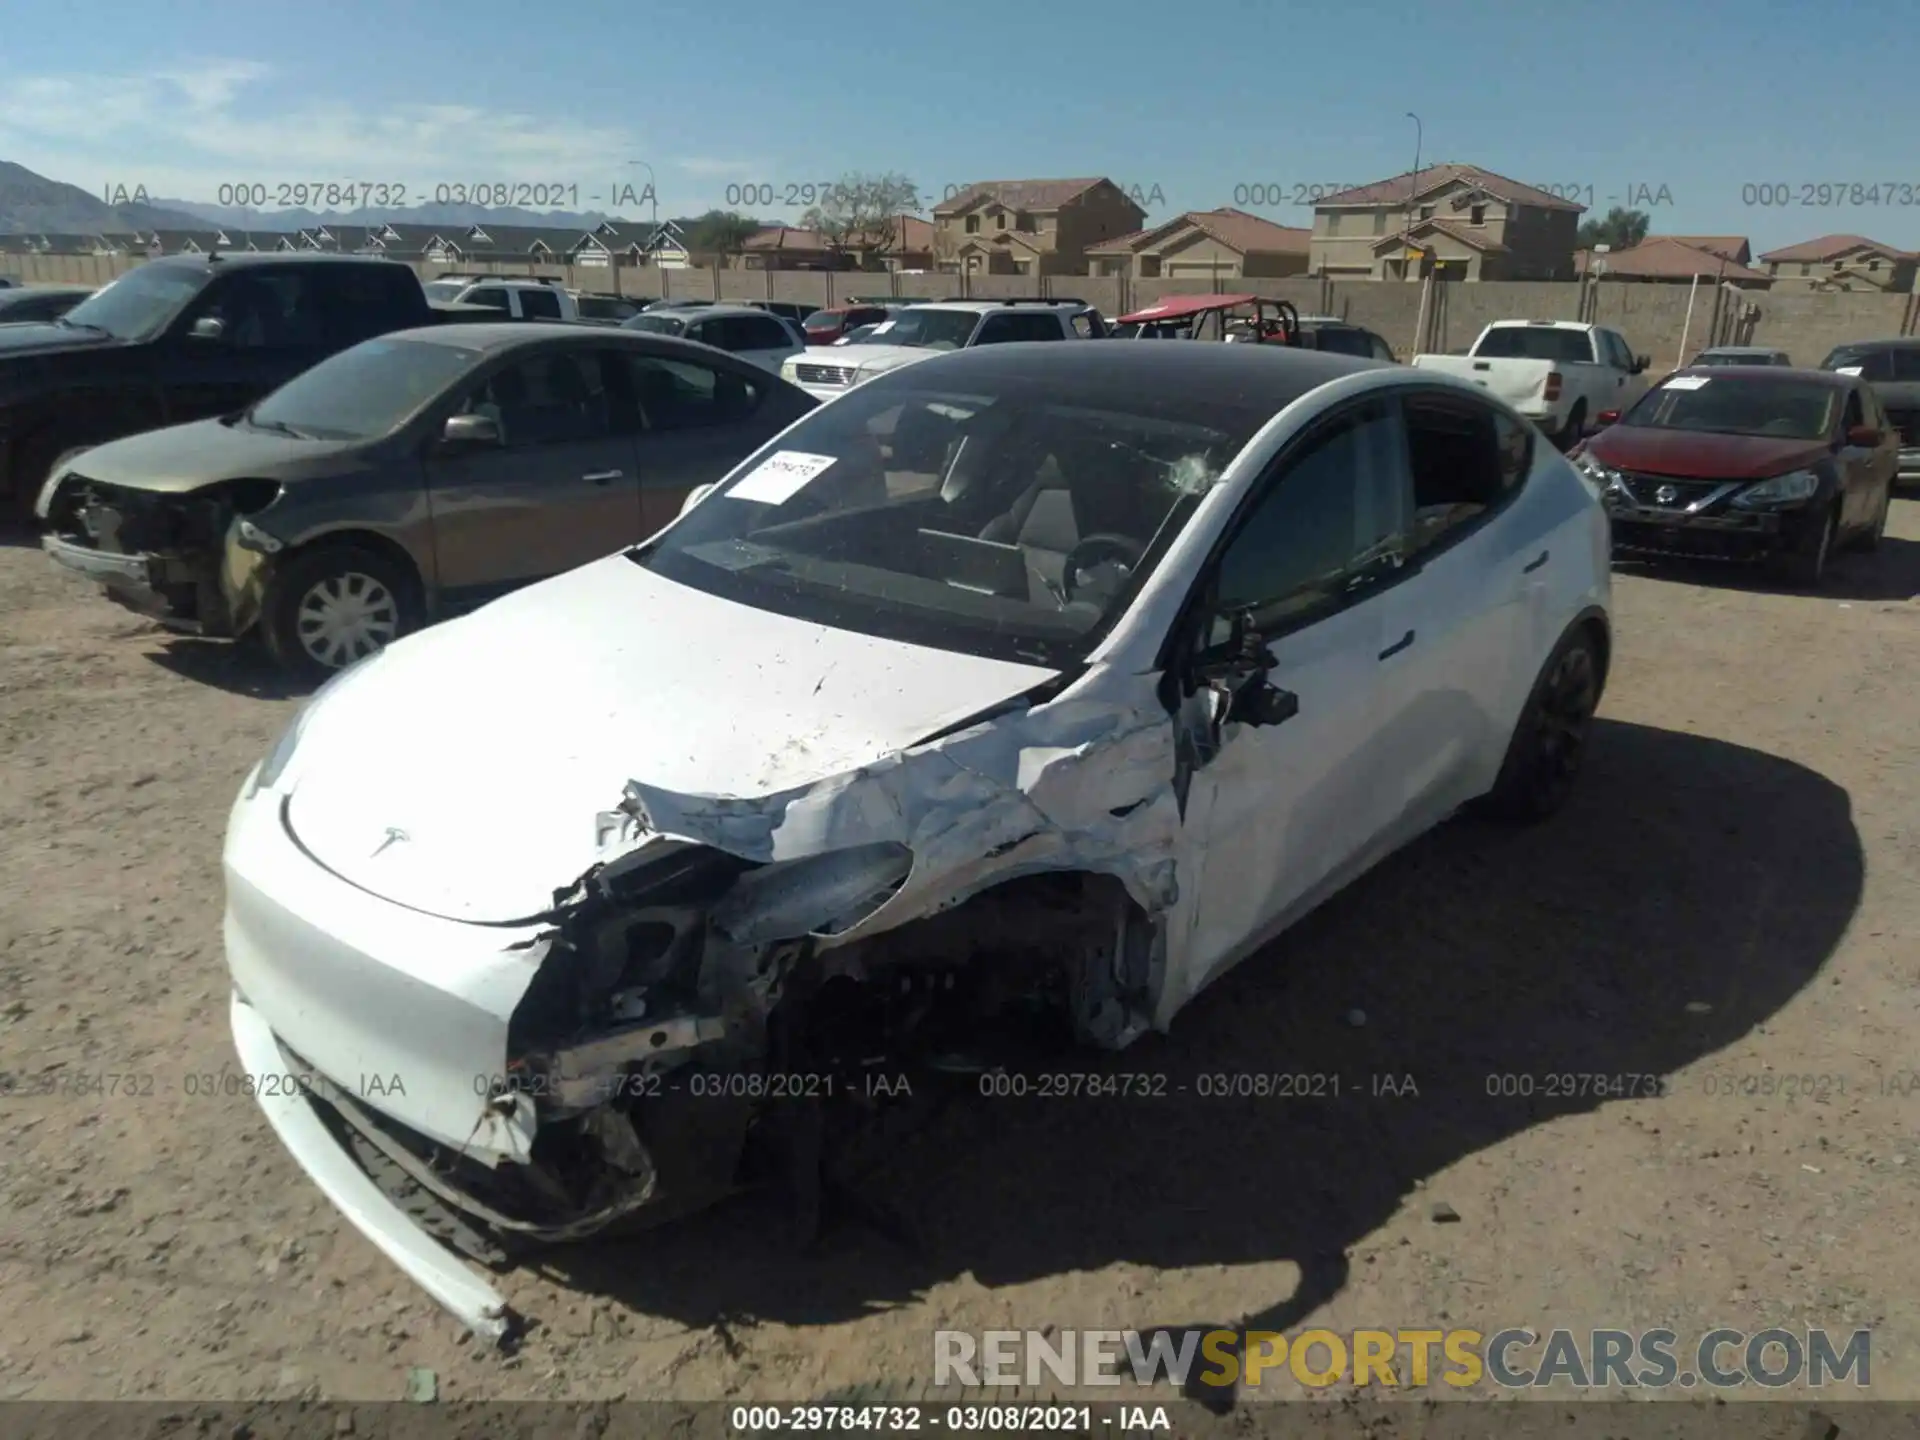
1092	550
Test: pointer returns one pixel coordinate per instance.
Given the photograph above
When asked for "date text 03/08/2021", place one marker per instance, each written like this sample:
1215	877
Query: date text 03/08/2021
398	194
960	1419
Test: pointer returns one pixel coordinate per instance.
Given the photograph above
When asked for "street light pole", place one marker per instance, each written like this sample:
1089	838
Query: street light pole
653	190
1413	183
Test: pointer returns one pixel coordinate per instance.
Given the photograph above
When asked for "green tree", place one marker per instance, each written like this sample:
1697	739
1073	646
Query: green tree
857	217
721	232
1621	230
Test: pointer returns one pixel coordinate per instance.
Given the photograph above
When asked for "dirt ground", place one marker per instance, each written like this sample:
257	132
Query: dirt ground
1733	893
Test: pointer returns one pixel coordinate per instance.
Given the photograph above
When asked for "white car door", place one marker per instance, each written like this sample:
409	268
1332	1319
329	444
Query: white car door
1453	673
1277	812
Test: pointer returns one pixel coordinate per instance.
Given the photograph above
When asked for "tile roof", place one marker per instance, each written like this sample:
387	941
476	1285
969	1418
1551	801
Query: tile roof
1233	228
1832	247
1432	177
787	237
911	234
1734	247
1666	257
1019	194
1472	239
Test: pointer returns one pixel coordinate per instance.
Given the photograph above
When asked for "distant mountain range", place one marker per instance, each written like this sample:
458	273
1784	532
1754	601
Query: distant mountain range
34	203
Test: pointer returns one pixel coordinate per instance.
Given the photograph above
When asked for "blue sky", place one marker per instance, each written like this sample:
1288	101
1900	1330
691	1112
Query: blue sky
1690	104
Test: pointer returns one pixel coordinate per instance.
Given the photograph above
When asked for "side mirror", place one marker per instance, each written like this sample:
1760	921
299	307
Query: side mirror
1866	437
1640	363
470	432
207	327
1236	663
694	497
1606	417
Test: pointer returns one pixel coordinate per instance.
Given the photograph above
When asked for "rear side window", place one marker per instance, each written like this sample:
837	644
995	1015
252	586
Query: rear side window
1008	329
1466	459
362	301
540	304
1906	365
680	395
761	332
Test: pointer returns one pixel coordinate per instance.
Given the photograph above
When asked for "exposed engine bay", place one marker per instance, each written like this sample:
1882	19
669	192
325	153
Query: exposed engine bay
193	577
680	1043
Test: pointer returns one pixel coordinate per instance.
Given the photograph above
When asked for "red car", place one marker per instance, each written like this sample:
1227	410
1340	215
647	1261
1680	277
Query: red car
1747	462
823	327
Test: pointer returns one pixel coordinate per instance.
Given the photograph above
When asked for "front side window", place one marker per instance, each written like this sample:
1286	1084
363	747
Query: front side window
1333	506
993	522
657	324
1465	459
260	310
493	297
550	399
540	304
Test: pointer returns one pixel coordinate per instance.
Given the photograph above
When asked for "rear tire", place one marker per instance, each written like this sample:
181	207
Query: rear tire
1544	755
328	607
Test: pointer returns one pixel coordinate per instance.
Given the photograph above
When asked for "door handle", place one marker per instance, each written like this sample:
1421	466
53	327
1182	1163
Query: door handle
1535	563
600	477
1394	649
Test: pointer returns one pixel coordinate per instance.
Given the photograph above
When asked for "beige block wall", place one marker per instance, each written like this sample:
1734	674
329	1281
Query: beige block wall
1652	317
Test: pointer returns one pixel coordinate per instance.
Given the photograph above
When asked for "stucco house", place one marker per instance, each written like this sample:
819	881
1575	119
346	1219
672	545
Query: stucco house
1458	222
1842	262
1030	227
1222	244
1673	260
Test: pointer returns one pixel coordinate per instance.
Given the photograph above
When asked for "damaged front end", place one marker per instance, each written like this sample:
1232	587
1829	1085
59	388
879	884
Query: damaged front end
764	990
194	562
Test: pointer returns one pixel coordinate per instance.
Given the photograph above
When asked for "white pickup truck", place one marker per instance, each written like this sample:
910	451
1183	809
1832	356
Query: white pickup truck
1558	373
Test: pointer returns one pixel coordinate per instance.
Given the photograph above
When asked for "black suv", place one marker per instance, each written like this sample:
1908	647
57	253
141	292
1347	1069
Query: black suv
1892	368
1338	337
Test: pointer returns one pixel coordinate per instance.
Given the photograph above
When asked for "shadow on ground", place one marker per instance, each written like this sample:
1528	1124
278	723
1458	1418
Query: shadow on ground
1890	573
240	667
1686	871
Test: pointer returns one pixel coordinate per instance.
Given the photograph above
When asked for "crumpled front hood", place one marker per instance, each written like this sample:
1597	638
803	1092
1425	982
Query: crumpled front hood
492	743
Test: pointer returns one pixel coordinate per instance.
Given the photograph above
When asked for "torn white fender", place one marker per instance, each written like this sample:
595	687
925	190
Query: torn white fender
1075	785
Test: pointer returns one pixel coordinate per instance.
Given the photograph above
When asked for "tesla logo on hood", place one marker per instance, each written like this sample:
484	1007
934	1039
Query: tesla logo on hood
393	836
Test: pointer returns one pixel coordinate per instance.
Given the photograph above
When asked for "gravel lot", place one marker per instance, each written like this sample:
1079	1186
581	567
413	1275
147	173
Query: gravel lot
1732	893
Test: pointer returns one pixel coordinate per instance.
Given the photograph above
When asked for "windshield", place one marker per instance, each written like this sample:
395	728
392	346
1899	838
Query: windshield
658	324
928	329
1535	342
947	519
1720	405
364	392
141	303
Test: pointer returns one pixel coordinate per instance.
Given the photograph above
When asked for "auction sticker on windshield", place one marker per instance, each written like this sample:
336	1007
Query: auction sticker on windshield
1686	382
780	477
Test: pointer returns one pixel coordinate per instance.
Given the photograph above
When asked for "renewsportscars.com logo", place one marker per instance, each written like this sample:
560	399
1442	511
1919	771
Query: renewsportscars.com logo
1722	1358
